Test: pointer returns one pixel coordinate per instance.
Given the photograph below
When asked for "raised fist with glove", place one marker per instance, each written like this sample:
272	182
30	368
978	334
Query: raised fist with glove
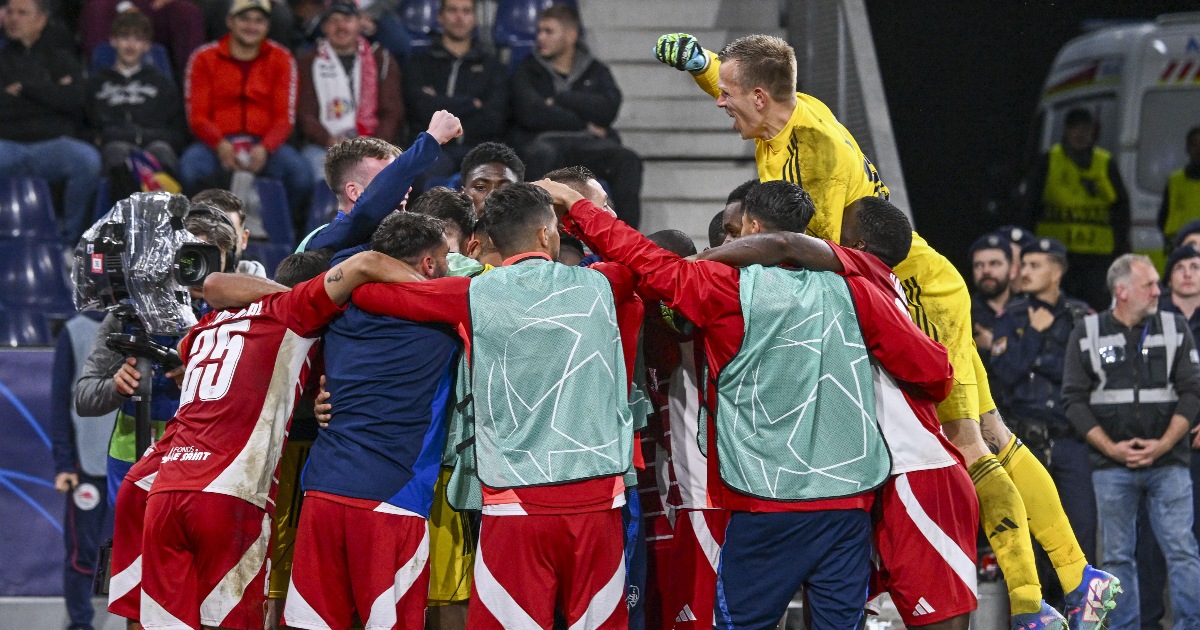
682	52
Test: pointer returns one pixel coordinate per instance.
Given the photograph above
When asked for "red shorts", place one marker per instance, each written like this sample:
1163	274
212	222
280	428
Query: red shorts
125	586
529	565
926	544
204	559
352	559
699	535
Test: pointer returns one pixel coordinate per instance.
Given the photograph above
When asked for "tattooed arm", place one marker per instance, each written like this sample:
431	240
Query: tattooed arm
362	268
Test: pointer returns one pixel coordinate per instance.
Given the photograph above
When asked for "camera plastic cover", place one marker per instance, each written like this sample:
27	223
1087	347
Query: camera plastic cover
127	258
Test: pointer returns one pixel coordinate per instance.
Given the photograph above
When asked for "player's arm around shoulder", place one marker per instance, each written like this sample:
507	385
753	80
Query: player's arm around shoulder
237	290
364	267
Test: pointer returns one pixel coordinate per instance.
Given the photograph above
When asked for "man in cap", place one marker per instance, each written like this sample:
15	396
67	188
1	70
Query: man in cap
241	104
349	87
992	276
1026	364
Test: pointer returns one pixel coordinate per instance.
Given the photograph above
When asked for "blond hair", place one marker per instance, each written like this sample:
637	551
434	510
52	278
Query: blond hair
763	62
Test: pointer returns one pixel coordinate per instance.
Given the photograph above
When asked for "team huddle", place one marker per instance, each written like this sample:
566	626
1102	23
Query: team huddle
805	403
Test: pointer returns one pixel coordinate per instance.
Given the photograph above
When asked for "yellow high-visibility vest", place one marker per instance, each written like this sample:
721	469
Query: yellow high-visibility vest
1077	203
1183	202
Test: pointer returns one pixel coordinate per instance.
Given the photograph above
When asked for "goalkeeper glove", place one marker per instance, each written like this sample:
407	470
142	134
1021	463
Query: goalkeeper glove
681	51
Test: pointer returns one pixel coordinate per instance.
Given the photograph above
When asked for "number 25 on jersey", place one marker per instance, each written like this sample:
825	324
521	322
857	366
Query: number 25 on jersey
214	359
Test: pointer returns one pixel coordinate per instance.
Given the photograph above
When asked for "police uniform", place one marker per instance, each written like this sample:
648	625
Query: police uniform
1027	366
982	314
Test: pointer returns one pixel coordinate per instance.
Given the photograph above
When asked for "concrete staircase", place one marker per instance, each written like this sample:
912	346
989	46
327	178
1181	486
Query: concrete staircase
693	158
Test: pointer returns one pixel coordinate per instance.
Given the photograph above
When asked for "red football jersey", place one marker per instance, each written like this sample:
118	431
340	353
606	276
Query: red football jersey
244	375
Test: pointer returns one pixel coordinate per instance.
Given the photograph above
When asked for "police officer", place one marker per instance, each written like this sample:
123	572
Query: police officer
1026	366
991	277
1181	199
1075	195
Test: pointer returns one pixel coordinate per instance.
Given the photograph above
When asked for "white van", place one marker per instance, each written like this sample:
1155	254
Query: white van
1142	84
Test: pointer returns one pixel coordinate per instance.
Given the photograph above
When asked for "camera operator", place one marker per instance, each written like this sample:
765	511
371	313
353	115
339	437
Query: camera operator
109	379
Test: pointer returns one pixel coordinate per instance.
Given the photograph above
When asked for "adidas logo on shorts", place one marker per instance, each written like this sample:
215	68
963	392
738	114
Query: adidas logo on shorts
923	608
685	615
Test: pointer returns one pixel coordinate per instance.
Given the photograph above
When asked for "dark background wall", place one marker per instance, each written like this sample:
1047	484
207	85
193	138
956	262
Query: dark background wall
962	81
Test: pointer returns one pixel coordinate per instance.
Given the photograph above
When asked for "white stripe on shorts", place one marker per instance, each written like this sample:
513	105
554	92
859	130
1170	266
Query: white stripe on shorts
951	553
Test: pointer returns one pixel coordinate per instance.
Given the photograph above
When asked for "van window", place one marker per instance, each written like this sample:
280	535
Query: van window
1166	117
1103	108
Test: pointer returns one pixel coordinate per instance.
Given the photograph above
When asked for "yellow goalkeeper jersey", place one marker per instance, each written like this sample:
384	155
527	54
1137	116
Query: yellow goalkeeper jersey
815	152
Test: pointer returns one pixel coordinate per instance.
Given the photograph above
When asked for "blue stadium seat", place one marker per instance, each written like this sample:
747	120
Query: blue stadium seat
516	21
516	53
323	209
26	209
21	327
276	214
269	254
419	17
32	275
104	56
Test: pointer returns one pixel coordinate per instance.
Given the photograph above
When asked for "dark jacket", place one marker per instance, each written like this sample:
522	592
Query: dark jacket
46	108
589	94
457	83
1026	366
141	109
1138	395
1165	304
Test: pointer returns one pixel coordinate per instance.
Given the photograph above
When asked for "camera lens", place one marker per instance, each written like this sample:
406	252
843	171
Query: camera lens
191	268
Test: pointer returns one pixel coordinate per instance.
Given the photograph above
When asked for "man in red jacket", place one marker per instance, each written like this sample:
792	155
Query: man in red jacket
240	93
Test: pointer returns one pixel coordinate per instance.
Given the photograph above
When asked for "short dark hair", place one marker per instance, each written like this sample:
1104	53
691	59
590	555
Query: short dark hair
451	206
302	266
716	229
884	228
1192	133
493	152
780	205
675	242
739	193
1078	116
511	212
407	235
133	23
222	200
563	12
442	5
346	155
210	223
566	241
576	177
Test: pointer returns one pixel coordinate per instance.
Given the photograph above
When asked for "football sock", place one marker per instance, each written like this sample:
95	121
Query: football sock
1047	520
1003	517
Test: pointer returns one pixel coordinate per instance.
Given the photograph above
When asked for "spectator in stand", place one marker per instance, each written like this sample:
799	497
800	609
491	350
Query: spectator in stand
41	109
565	102
991	274
241	98
1074	194
1134	400
488	168
456	74
134	106
348	87
80	448
1026	365
178	25
1183	297
282	29
1181	199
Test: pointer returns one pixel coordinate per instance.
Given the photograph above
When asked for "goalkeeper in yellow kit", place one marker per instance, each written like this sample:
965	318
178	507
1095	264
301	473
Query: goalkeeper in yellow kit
797	138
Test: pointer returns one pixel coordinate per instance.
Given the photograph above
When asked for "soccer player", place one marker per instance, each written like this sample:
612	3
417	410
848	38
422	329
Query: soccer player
789	379
798	139
362	546
925	537
206	523
551	350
